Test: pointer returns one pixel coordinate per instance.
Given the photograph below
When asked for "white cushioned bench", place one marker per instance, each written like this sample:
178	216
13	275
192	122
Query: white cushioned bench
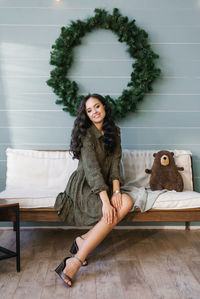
34	178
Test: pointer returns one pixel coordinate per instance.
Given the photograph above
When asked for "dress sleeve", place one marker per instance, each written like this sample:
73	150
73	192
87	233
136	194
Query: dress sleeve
91	166
115	169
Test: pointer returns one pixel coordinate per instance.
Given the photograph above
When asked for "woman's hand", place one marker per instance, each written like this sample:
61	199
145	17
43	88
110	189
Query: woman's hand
109	212
116	200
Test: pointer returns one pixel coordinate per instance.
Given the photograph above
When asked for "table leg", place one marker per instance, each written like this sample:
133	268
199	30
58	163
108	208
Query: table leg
17	239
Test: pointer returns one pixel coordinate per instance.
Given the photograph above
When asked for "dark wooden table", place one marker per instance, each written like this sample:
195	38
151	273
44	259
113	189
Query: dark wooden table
10	212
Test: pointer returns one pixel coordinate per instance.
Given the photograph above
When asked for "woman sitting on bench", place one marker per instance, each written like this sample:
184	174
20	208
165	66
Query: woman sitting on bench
93	190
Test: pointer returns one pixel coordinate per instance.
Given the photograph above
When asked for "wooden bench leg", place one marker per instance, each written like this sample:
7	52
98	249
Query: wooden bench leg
187	225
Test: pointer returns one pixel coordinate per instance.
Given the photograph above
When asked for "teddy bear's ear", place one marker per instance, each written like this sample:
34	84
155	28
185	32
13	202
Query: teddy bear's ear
172	153
154	154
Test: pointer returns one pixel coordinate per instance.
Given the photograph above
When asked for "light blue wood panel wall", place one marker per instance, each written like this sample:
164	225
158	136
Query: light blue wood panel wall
167	118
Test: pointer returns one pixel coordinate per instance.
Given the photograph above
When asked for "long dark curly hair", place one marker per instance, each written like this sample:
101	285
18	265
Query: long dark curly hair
82	123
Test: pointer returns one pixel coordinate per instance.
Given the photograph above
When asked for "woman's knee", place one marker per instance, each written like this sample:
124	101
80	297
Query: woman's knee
127	202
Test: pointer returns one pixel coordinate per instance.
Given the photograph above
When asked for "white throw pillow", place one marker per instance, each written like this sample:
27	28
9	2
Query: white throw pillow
183	159
31	169
134	163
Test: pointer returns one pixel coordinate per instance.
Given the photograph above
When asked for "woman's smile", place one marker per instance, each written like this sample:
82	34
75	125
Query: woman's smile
97	115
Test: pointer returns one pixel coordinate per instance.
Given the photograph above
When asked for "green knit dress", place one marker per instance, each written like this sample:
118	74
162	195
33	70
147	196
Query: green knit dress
80	203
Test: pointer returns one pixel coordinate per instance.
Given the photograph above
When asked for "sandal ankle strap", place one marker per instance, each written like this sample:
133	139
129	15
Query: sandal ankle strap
78	259
82	238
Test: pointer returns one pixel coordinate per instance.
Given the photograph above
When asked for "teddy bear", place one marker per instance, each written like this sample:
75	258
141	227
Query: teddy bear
164	172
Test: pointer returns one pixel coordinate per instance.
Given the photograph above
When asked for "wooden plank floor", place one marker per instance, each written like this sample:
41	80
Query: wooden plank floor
128	264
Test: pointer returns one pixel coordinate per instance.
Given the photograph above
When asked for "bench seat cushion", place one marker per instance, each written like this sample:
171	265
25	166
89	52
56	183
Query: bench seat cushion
167	201
177	200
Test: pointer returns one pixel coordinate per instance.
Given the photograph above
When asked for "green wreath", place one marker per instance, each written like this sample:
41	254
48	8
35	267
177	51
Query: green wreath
144	70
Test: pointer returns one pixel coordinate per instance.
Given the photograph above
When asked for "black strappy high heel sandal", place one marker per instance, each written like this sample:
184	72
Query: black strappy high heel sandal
74	249
61	267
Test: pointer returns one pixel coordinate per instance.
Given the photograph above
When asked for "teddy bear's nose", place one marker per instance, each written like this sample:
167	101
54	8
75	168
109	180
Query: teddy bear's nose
164	160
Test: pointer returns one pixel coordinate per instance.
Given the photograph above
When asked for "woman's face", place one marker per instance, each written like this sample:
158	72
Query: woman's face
95	110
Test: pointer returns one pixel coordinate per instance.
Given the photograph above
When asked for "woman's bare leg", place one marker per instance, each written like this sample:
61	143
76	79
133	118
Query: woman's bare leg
80	239
86	235
96	235
101	229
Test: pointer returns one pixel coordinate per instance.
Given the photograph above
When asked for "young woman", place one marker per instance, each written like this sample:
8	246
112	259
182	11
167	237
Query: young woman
93	190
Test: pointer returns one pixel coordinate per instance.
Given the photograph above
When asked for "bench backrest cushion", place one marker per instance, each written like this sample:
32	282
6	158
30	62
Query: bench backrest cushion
50	170
134	163
38	169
